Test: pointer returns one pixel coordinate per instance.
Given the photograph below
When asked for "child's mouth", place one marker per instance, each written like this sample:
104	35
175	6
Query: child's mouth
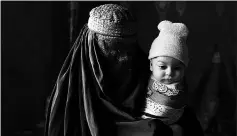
168	81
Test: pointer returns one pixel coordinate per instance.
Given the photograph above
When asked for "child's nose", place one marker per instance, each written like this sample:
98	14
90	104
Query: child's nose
169	71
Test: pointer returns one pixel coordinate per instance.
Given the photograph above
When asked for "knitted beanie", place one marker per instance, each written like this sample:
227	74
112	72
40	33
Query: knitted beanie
111	20
171	42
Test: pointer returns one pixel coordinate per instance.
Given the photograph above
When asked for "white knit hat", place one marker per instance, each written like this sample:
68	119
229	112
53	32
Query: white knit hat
171	42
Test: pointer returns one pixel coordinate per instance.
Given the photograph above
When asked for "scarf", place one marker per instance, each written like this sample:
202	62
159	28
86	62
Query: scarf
165	102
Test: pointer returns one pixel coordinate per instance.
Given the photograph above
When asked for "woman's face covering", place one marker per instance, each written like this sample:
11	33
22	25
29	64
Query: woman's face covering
119	54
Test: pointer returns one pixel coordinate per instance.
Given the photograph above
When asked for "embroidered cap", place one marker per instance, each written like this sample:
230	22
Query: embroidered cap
111	20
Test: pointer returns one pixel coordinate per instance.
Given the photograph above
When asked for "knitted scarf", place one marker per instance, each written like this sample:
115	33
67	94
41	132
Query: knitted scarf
165	102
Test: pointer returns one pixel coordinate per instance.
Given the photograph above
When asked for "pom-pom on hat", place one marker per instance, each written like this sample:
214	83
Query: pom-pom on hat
171	42
111	20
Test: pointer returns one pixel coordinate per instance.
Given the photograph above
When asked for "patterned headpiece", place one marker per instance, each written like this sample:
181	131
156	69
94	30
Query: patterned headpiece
111	20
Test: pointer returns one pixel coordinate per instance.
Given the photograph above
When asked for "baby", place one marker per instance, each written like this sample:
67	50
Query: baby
168	59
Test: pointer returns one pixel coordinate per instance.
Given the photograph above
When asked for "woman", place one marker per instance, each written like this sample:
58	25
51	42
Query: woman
100	88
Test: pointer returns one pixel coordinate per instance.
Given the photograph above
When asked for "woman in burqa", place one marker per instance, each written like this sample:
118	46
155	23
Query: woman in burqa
101	87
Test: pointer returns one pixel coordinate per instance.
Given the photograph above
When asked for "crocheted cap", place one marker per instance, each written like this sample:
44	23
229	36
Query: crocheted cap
111	20
171	42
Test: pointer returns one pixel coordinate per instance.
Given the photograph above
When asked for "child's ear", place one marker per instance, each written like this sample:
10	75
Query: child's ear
151	68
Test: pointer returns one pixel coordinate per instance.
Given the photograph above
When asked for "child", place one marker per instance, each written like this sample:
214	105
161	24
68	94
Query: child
168	59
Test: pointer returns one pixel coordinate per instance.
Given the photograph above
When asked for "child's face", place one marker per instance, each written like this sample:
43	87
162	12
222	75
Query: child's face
167	70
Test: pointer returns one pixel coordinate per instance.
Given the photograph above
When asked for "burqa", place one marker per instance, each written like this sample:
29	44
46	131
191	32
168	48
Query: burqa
101	87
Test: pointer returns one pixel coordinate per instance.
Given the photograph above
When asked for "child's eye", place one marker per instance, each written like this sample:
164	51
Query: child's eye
178	68
162	67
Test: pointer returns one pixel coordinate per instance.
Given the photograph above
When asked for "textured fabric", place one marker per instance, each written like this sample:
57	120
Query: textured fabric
189	123
166	89
171	42
97	93
81	105
166	102
83	101
167	114
105	21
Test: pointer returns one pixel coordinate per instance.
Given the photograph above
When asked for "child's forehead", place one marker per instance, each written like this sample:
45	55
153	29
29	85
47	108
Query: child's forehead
167	60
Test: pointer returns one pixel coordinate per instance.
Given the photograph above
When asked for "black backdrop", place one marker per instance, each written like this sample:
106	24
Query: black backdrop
36	37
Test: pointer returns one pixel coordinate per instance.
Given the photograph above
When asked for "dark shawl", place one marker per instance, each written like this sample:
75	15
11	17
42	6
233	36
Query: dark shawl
80	106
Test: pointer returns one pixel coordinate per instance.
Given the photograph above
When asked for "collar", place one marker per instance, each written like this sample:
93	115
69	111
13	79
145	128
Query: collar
168	90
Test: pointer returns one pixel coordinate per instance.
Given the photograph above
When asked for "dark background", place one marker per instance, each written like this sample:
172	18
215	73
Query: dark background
35	42
36	37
